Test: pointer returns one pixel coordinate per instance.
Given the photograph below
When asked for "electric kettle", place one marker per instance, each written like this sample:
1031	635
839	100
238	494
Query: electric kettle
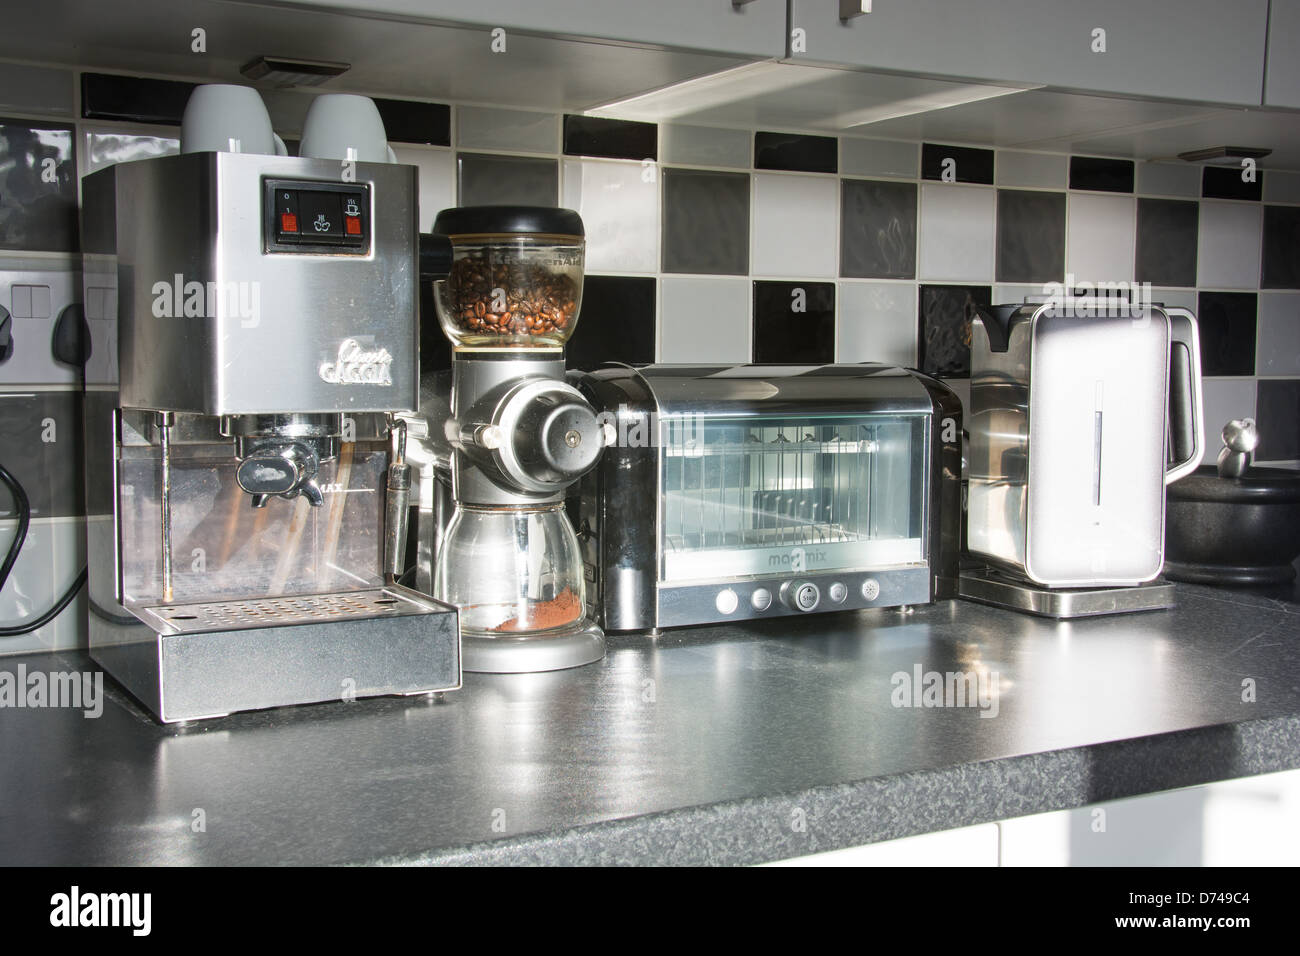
1082	410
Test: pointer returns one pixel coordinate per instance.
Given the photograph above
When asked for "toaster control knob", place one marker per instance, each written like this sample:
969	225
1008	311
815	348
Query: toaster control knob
761	599
837	592
726	602
870	589
801	595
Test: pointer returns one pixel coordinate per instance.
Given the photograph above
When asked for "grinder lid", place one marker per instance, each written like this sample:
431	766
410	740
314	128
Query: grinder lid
506	220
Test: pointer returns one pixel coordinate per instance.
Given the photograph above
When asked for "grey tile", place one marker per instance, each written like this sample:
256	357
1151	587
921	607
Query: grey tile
53	554
1169	179
1281	269
705	146
1278	349
1031	236
1167	232
35	89
879	157
1282	187
40	434
876	322
704	320
1226	322
105	147
706	222
1224	400
522	131
1277	413
1044	170
507	180
877	229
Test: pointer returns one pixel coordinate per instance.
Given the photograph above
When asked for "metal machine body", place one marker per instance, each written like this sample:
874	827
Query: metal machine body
240	467
750	492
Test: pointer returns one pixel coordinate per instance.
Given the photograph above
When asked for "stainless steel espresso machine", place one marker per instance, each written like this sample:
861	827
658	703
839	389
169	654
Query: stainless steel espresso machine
245	473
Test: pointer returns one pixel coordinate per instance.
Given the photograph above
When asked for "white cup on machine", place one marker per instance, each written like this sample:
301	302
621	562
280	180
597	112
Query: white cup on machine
226	118
345	127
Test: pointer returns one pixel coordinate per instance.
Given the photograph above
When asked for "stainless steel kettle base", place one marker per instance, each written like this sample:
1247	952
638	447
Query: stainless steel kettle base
528	654
999	590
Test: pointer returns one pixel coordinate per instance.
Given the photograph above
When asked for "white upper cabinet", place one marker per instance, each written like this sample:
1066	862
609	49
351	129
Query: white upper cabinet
755	28
1209	51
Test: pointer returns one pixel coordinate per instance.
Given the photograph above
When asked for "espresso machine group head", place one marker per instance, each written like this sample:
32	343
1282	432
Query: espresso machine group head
245	452
520	436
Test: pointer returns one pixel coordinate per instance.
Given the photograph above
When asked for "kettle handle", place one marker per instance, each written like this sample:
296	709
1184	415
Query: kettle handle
1186	440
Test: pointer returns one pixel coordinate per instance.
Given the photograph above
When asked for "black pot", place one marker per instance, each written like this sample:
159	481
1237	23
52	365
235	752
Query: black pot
1236	532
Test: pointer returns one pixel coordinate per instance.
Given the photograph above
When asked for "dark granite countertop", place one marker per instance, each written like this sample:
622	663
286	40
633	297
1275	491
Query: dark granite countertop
700	747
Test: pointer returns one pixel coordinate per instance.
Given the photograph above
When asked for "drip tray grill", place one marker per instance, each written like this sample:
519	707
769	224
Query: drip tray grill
286	610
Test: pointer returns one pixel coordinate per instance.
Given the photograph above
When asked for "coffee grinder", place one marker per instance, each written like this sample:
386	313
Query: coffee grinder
509	560
255	323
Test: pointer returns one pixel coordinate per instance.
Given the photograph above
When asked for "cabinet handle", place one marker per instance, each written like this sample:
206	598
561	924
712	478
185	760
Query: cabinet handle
854	8
741	3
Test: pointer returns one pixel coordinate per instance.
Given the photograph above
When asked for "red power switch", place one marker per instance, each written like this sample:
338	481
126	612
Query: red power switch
288	222
352	225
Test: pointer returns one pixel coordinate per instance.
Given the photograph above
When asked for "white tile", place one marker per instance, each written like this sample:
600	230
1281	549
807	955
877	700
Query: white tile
879	157
876	322
1007	294
1281	187
1224	399
705	320
35	89
620	211
1100	238
796	226
1047	170
104	146
1182	298
1278	345
51	557
1169	179
523	131
437	179
706	146
1228	246
956	233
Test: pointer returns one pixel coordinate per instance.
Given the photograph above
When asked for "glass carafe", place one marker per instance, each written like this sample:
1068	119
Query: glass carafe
512	570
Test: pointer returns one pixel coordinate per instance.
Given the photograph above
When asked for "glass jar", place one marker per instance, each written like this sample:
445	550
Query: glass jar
516	276
511	571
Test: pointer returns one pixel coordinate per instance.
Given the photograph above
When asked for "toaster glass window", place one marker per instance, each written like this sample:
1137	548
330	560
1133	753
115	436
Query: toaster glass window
761	494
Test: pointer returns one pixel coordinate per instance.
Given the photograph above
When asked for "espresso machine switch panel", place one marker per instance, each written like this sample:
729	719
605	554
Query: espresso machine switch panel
316	217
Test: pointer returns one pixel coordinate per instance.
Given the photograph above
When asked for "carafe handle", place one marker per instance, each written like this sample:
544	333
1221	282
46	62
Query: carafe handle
1186	442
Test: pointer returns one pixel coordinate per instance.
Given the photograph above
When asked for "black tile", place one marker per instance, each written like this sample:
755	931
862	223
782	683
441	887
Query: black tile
971	165
804	154
487	180
610	139
1102	175
1225	182
1277	412
1166	242
616	323
133	98
794	323
406	121
1227	329
41	438
38	186
1281	269
877	229
944	327
1031	236
706	222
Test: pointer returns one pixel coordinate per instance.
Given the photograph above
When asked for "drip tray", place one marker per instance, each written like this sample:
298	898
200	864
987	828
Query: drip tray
990	587
285	611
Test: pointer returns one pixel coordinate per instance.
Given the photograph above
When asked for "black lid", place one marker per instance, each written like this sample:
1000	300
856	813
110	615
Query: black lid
529	220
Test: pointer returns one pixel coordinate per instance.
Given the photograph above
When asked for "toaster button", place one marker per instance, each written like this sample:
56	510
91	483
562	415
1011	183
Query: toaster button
837	592
726	602
761	599
801	595
870	589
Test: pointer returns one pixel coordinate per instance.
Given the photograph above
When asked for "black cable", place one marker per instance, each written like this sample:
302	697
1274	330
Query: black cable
24	508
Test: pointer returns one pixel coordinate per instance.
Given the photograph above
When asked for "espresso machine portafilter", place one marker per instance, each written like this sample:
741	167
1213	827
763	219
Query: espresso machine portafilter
246	472
518	435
